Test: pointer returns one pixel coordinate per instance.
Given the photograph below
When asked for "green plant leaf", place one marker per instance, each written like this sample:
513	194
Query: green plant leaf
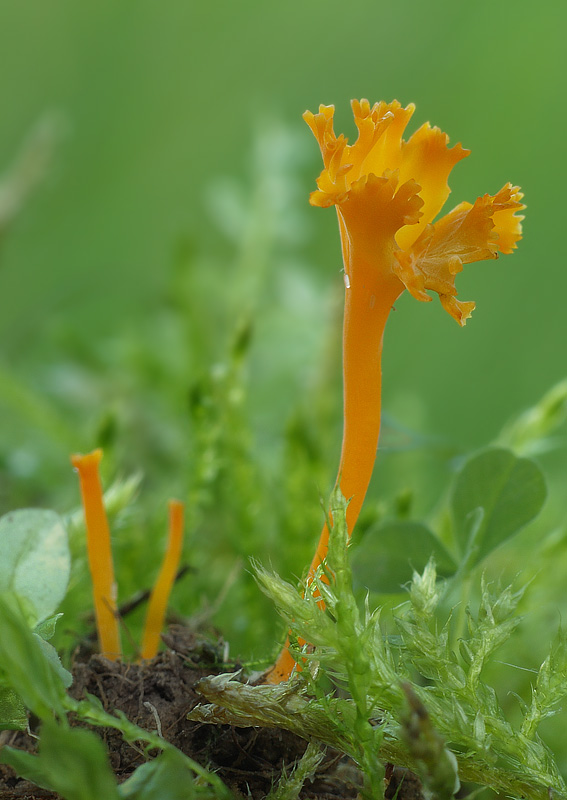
70	761
30	672
26	765
52	656
34	558
166	777
46	629
13	715
494	496
391	551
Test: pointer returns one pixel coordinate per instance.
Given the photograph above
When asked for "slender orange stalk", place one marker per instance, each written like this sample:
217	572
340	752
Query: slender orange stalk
165	580
387	192
100	554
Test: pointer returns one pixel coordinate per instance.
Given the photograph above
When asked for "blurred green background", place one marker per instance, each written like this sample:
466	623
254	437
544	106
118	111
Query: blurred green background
160	100
172	228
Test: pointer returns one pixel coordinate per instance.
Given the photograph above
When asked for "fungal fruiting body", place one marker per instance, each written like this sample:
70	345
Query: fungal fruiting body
99	554
102	570
387	193
164	583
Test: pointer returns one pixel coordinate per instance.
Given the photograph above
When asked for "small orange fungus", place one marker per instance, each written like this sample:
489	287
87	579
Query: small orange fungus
99	554
165	580
387	193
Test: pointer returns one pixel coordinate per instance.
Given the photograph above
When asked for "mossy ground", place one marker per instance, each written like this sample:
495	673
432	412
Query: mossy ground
158	694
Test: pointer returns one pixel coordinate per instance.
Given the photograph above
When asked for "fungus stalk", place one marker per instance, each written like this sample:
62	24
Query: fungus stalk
162	588
99	554
387	192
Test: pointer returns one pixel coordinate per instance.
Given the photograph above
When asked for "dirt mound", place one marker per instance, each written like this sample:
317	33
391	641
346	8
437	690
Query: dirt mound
157	695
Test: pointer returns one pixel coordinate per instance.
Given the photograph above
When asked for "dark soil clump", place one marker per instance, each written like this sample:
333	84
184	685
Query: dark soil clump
157	696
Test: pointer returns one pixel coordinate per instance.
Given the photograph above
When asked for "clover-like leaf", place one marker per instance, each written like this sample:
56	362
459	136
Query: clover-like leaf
495	495
389	553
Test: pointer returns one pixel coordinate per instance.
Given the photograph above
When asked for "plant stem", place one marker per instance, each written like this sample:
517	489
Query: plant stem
465	590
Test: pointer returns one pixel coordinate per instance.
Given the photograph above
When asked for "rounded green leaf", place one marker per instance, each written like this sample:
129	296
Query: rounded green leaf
389	553
34	558
495	495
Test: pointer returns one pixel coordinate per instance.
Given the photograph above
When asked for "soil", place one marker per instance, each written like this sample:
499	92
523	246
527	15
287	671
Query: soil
158	695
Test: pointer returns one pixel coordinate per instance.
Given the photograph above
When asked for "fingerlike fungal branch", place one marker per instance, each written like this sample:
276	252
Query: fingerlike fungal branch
99	554
162	588
387	192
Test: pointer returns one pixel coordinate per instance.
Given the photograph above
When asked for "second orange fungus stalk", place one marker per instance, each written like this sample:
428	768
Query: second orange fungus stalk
387	192
164	583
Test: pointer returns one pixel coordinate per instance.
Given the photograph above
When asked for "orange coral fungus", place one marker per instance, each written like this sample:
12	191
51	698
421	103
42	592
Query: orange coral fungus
387	192
99	553
162	587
